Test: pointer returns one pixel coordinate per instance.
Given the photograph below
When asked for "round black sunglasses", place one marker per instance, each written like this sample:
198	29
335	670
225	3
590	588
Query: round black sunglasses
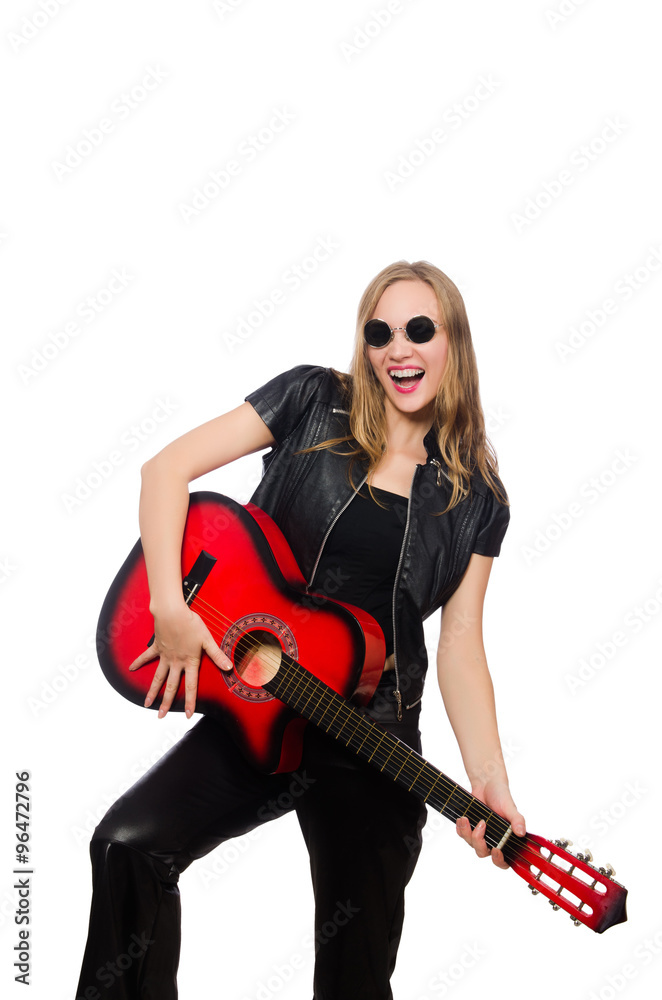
419	329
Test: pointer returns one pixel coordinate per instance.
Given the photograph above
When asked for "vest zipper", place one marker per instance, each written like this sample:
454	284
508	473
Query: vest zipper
397	693
329	529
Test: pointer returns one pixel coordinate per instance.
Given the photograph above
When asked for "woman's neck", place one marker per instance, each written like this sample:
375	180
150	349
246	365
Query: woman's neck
405	432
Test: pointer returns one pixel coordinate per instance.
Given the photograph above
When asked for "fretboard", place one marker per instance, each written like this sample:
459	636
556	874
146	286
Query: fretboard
321	705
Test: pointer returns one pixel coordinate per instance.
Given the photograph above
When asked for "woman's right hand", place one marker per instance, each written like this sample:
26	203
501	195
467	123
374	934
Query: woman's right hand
180	636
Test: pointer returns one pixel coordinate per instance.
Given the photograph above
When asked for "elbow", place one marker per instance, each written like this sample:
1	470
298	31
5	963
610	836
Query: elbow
163	465
152	465
146	468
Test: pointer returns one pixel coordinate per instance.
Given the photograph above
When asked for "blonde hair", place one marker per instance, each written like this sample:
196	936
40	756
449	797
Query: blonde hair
458	419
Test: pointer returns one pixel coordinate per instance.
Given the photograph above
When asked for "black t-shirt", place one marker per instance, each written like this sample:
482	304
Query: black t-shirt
360	557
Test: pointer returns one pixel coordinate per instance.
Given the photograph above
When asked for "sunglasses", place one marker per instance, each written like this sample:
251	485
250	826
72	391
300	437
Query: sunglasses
419	329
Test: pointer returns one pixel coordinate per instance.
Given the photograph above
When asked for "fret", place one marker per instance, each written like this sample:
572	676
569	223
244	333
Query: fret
307	700
343	725
360	746
373	752
349	736
443	808
397	775
431	777
431	789
317	705
477	810
416	777
387	759
334	717
293	696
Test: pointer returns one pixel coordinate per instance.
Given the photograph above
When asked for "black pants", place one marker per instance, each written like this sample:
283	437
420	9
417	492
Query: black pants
363	834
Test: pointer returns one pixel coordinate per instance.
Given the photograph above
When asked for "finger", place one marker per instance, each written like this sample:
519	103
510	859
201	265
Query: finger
214	652
463	827
518	824
473	838
478	840
148	654
190	687
499	860
170	690
160	675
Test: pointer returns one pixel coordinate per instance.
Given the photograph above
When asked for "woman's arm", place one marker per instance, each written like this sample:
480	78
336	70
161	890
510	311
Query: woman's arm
180	634
466	688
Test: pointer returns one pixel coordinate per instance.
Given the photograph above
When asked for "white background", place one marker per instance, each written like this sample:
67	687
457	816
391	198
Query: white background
535	82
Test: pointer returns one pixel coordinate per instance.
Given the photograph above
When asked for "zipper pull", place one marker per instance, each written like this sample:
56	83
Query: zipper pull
398	698
435	461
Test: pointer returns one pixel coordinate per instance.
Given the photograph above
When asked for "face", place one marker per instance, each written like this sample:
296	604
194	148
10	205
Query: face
410	373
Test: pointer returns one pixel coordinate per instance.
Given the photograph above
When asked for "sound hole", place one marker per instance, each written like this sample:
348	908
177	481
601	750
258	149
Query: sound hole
257	657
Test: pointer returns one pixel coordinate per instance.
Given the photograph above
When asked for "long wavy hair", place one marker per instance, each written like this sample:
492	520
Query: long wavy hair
458	419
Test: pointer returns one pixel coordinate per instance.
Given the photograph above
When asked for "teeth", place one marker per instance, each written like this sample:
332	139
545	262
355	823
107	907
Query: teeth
406	372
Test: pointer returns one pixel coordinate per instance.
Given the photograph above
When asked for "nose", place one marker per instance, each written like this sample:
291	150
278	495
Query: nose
400	347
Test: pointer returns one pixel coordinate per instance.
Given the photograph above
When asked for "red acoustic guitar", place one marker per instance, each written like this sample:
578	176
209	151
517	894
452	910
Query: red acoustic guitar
240	575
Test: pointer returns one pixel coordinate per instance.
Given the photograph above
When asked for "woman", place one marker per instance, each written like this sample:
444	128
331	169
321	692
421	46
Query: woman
387	491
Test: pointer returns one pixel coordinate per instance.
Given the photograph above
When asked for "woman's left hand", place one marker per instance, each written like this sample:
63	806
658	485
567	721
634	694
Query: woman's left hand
496	795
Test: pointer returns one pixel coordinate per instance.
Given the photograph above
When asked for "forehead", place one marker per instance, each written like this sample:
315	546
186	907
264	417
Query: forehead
407	298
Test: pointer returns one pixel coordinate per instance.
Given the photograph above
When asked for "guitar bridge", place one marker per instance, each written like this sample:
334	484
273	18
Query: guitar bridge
194	579
197	575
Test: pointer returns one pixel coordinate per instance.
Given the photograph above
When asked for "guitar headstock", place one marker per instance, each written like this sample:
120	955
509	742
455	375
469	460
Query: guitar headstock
589	894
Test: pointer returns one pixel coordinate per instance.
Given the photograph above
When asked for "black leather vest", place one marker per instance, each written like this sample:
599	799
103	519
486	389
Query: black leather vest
305	494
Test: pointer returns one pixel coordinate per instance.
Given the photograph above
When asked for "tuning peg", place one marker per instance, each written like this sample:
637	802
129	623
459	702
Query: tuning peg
576	922
554	906
533	889
563	842
586	856
608	870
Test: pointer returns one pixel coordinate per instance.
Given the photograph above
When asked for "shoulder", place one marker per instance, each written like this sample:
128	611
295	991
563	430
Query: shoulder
284	399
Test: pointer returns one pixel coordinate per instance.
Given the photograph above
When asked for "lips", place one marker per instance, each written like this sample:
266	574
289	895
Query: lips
406	379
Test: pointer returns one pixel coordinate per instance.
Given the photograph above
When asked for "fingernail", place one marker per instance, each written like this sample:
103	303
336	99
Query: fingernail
188	713
148	701
161	713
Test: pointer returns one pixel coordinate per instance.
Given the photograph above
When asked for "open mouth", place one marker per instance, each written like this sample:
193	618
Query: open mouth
406	378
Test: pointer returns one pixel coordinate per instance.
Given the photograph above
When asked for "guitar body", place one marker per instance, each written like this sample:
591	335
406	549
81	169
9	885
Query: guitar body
251	584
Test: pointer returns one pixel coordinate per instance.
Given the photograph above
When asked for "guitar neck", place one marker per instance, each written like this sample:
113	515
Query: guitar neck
329	711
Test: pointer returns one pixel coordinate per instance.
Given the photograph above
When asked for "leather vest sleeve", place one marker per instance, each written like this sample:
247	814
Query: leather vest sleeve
283	400
493	527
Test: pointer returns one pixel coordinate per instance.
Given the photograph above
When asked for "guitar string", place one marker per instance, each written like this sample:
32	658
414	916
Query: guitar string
330	699
348	711
276	662
399	753
521	848
345	714
518	848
